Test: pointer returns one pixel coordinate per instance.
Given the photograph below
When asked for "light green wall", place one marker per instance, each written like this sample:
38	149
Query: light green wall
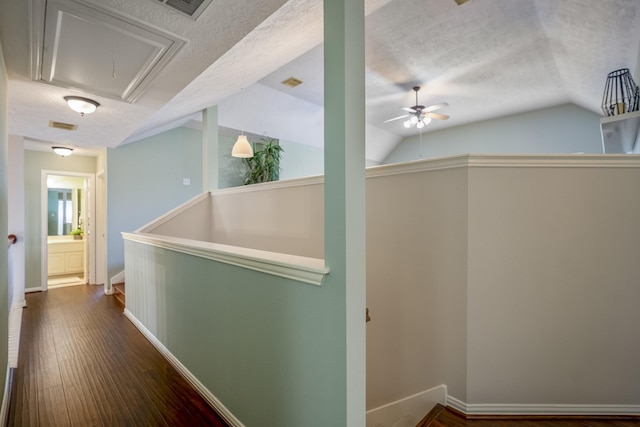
300	160
146	181
265	346
34	163
561	129
4	219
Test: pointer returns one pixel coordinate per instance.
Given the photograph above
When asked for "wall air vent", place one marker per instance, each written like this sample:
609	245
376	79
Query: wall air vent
60	125
193	8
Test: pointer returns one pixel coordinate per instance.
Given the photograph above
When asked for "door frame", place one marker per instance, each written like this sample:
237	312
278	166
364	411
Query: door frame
90	224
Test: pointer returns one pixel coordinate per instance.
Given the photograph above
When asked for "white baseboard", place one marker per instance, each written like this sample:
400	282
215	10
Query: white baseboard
540	409
412	408
118	278
200	388
6	399
15	324
37	289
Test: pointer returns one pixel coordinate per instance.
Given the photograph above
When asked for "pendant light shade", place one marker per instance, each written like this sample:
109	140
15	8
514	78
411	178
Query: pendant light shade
242	148
81	105
621	94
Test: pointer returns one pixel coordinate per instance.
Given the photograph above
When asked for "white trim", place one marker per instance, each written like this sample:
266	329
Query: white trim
264	186
6	399
540	409
456	404
90	241
557	161
199	387
418	166
416	406
118	278
302	269
509	161
149	227
15	325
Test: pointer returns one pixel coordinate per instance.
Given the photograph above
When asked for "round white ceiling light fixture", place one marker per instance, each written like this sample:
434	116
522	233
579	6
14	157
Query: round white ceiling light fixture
62	151
81	105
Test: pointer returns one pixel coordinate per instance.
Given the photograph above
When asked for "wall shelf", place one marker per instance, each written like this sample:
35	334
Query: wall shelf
621	133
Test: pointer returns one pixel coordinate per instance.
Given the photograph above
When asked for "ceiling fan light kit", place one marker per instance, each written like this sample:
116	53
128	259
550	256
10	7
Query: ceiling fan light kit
419	116
621	94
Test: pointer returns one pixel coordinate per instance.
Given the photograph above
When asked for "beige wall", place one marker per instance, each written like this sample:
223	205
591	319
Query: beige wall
416	283
284	216
189	221
554	285
511	279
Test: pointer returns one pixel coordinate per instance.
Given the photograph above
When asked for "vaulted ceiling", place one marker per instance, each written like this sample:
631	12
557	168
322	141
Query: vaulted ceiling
150	66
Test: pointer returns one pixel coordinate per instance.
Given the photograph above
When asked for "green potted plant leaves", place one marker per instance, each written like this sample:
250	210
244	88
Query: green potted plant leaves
77	233
264	166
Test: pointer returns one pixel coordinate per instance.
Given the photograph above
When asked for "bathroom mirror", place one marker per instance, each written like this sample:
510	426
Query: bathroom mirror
65	196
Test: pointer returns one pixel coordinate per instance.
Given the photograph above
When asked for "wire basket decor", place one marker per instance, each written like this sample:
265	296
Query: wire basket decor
621	94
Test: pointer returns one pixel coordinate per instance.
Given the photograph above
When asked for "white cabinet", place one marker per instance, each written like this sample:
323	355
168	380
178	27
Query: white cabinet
65	257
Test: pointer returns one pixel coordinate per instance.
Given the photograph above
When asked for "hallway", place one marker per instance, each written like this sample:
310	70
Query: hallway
82	363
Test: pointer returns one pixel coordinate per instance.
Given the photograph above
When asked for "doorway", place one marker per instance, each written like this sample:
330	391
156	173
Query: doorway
68	204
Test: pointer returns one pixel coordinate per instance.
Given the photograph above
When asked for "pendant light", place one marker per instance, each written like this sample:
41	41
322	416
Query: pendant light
242	148
621	94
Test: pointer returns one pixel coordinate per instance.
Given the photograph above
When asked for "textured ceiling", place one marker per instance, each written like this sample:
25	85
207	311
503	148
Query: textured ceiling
486	58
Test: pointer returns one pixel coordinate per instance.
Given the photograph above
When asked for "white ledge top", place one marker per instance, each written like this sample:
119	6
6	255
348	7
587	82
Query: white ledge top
302	269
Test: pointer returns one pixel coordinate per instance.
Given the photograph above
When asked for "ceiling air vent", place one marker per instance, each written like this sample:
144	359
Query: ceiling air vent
193	8
292	82
60	125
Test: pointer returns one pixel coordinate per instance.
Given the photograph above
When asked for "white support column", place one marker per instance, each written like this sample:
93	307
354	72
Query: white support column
344	145
210	157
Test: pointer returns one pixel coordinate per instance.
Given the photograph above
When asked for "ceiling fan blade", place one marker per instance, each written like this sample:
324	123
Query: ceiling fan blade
435	107
410	110
396	118
437	116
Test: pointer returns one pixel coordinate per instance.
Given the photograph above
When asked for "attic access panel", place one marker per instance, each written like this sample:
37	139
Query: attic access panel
101	52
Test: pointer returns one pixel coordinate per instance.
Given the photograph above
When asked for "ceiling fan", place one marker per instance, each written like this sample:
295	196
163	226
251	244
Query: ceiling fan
419	115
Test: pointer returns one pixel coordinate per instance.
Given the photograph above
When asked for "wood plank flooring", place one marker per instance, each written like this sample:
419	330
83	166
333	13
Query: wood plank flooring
445	417
82	363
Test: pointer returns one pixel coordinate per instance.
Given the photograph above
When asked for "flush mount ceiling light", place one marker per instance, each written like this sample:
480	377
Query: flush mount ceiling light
81	105
62	151
242	148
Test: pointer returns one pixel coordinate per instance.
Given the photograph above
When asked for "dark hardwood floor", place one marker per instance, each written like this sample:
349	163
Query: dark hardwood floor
82	363
445	417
